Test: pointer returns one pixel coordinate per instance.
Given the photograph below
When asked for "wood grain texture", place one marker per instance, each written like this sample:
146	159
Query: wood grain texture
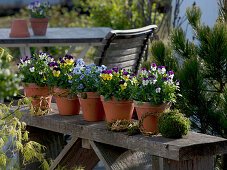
198	163
78	156
115	158
194	144
59	35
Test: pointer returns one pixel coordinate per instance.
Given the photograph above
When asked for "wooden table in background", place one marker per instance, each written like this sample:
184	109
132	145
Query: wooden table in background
72	37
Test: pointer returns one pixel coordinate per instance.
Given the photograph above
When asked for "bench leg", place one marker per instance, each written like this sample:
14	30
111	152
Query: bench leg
198	163
115	158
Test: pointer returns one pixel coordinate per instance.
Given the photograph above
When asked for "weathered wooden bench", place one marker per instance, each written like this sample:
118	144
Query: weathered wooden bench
91	142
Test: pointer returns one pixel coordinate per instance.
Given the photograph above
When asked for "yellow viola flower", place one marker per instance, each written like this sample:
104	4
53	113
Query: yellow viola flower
117	74
123	86
69	62
44	78
103	76
126	77
69	77
56	73
109	76
134	80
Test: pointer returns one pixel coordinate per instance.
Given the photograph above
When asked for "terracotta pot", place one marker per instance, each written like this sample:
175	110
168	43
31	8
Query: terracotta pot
117	110
39	25
150	123
92	107
66	105
19	28
32	90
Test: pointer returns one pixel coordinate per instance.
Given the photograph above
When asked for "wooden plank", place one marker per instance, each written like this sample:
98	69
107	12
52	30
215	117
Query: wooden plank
197	163
63	152
118	53
128	40
78	156
116	158
186	148
86	144
125	45
120	59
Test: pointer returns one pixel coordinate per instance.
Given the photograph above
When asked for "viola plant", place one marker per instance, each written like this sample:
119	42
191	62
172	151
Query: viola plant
156	86
60	72
86	78
33	69
38	9
117	83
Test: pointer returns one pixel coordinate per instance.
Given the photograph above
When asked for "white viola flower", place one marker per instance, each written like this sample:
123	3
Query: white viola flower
157	89
25	63
153	81
171	74
145	81
153	66
178	82
28	61
40	72
32	69
144	71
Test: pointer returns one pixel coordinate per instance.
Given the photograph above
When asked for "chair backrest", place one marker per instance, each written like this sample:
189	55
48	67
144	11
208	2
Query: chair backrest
124	48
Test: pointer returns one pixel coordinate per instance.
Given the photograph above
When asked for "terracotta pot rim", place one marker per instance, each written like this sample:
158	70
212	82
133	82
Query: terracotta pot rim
148	105
90	95
33	85
114	100
39	19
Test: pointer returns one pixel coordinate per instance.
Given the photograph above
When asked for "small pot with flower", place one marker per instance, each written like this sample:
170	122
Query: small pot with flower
85	81
39	17
58	77
33	70
154	91
116	91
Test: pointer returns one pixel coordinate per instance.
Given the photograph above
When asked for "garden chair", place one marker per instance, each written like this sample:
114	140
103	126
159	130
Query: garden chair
125	48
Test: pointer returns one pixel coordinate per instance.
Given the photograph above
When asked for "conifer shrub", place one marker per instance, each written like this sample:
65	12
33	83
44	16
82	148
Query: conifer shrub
173	124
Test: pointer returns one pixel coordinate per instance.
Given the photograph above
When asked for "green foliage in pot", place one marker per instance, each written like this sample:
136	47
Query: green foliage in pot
39	9
173	124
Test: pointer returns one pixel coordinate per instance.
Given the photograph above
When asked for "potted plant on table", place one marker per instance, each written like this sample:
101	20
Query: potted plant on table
58	77
116	91
39	17
85	81
33	70
152	94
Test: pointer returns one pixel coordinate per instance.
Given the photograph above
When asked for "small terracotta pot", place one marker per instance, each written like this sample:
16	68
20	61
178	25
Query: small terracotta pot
92	107
19	28
150	123
117	110
39	25
66	105
32	90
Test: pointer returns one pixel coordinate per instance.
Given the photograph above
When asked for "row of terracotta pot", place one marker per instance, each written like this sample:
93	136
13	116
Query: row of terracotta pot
94	108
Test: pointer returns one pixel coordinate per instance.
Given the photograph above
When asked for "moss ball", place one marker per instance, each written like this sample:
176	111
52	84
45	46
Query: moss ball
173	124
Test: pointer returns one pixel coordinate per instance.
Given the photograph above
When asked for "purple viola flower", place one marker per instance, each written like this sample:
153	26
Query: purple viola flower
115	69
133	75
68	57
144	78
104	72
60	58
63	61
156	87
121	82
159	67
125	73
110	72
50	56
153	65
143	69
56	69
151	77
170	73
165	78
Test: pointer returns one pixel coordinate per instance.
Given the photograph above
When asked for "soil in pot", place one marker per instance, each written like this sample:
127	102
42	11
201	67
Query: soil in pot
66	105
150	123
39	25
41	95
91	106
117	110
